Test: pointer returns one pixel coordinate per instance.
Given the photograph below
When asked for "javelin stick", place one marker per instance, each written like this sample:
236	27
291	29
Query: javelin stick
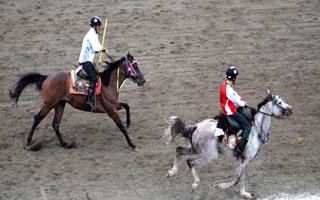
104	35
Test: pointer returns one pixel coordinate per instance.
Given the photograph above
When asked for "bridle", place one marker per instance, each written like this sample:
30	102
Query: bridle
272	115
130	72
264	135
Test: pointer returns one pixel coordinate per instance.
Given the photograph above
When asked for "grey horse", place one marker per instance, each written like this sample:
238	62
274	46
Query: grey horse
204	141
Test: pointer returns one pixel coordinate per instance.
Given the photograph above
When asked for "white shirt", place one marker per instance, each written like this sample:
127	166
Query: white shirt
90	46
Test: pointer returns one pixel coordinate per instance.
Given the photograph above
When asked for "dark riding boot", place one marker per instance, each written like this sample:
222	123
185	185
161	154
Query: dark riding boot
90	102
240	148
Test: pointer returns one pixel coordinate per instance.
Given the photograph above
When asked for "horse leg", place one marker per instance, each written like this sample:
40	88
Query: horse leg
116	118
179	152
59	108
239	172
204	159
243	192
126	106
37	119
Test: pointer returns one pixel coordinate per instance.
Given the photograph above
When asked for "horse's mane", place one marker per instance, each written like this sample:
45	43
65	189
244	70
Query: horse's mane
105	74
266	100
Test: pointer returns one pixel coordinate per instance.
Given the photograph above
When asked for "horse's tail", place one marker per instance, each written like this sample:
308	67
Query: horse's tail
177	126
26	79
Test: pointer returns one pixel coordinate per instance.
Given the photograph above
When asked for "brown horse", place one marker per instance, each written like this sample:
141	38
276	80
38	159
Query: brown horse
55	93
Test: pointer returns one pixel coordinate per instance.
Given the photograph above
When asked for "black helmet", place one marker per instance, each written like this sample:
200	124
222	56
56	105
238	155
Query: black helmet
232	73
95	21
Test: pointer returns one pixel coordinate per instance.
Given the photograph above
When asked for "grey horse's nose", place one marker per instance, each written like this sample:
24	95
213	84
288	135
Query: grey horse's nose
289	111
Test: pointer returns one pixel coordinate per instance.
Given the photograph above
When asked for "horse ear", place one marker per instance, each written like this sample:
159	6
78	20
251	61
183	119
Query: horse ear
129	55
270	95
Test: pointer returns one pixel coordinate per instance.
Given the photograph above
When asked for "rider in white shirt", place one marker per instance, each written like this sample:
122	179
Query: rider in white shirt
91	46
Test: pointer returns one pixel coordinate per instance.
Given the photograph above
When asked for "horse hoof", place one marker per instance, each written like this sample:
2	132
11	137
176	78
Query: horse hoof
217	185
135	149
170	173
34	147
194	186
247	195
70	145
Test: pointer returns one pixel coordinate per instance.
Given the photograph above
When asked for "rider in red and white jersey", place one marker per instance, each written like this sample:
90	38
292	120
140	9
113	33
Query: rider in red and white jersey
232	104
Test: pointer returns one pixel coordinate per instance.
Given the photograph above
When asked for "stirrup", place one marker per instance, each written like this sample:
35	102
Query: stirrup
91	106
238	153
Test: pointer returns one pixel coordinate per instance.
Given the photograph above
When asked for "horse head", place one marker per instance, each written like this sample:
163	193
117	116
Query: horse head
276	106
132	71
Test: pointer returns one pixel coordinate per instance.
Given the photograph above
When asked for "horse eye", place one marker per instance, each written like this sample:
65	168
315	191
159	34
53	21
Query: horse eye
135	65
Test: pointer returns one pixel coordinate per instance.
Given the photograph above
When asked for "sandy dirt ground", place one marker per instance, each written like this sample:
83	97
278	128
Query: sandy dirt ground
183	47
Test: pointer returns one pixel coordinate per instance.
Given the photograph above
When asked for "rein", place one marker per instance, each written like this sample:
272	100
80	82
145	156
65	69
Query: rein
118	76
264	136
266	114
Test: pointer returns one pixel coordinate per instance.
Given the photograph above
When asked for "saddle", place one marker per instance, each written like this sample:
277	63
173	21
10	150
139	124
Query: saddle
232	129
79	82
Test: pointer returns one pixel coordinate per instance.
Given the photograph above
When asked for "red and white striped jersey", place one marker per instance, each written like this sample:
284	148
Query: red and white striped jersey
229	99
